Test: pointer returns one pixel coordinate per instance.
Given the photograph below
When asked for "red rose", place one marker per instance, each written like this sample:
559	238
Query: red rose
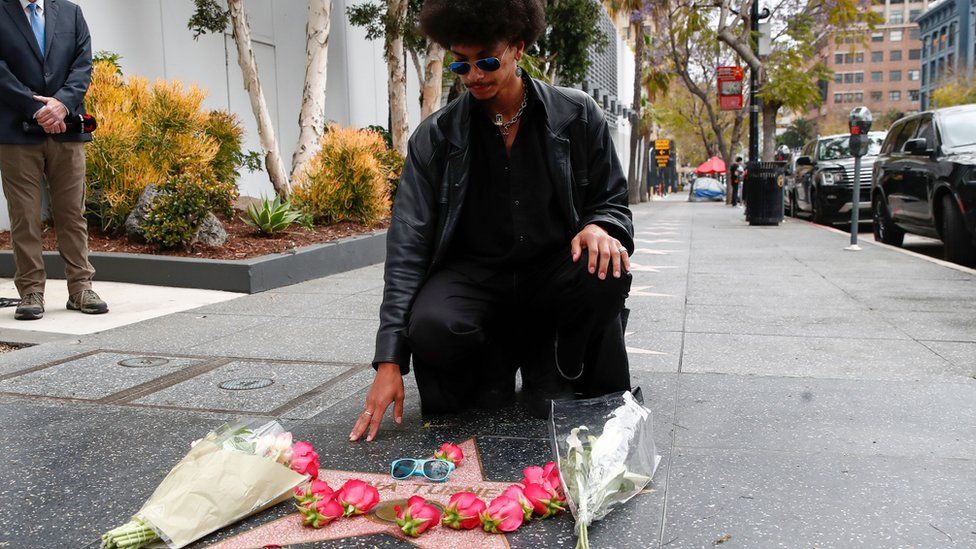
504	514
321	512
304	459
463	511
515	492
545	503
313	491
451	453
418	517
357	497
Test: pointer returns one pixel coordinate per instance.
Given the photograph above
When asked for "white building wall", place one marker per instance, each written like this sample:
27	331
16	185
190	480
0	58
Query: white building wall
625	96
154	42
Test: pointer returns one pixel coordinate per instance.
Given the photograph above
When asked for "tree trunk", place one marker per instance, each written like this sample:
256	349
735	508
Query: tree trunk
632	183
249	69
433	86
396	12
769	110
649	163
311	119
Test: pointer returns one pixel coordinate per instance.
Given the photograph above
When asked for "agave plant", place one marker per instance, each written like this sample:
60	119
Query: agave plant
272	216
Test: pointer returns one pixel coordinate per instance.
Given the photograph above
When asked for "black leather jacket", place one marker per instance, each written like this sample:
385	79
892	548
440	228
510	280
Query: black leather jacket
580	156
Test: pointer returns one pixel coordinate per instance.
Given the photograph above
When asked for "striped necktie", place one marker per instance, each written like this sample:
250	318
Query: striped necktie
37	25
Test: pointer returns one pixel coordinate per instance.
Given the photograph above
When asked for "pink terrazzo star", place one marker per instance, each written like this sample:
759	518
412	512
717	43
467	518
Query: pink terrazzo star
469	477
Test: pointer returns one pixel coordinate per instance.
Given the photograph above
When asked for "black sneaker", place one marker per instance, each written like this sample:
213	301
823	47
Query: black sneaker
31	307
88	302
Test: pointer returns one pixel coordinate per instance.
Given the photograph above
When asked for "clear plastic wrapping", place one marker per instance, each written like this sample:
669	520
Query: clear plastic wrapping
606	454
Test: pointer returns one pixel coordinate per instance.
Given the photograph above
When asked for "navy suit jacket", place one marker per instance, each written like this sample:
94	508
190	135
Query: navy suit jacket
64	73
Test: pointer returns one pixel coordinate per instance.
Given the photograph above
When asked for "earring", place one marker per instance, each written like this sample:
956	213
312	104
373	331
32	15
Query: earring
518	71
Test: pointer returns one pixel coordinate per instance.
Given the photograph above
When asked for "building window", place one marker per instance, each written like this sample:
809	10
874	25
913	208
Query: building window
877	56
876	96
859	57
913	74
896	17
838	58
838	78
894	55
913	95
925	74
877	76
942	38
838	97
913	33
894	96
952	34
859	97
915	54
848	77
896	2
951	62
877	36
849	97
895	35
913	15
858	77
894	76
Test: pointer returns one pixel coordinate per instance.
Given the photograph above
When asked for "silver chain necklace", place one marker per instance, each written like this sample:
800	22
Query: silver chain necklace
505	127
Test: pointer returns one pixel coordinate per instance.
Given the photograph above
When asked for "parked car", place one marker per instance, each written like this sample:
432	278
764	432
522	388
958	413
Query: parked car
823	178
924	181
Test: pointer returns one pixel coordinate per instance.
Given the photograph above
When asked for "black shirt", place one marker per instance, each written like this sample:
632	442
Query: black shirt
511	213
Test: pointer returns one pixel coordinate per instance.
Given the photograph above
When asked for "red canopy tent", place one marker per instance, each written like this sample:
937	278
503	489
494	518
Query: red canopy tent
712	165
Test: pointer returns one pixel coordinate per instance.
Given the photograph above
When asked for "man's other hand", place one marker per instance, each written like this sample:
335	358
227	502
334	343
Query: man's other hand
604	251
387	389
51	115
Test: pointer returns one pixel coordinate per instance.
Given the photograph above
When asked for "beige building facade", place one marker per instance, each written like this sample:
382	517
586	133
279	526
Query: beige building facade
880	69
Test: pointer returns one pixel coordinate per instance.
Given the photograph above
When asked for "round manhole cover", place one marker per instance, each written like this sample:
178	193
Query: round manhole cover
246	383
143	362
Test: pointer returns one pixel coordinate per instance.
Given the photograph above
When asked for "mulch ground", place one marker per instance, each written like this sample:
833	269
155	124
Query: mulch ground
243	241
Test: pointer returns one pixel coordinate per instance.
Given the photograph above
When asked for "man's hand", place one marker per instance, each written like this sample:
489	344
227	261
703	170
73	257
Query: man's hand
387	388
603	249
51	115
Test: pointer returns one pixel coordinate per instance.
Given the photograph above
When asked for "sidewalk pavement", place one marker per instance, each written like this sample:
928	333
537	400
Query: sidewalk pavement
803	396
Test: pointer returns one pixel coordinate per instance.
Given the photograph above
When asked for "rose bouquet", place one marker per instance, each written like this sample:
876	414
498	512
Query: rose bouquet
606	454
233	472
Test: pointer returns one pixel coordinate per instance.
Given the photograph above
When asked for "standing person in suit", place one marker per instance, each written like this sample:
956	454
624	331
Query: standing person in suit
45	70
735	177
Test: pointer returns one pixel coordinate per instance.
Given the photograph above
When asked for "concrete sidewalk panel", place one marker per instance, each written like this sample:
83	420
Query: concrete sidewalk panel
868	418
798	499
815	357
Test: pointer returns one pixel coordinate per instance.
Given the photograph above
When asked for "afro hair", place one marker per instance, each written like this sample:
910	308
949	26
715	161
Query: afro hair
484	22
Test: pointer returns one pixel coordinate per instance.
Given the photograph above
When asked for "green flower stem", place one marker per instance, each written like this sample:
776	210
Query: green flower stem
583	541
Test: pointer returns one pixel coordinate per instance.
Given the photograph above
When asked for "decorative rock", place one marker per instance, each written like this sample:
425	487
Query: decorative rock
133	223
210	232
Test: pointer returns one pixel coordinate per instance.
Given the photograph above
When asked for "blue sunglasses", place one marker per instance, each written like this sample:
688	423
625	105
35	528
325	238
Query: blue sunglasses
432	469
488	64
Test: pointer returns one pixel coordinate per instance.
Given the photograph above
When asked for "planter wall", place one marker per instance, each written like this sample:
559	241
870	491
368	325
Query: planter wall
244	275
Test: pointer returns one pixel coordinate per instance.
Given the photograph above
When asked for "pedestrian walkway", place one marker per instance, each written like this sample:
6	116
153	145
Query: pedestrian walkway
803	396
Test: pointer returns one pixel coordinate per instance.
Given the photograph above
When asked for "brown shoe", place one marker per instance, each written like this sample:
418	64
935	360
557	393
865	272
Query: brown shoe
31	307
88	302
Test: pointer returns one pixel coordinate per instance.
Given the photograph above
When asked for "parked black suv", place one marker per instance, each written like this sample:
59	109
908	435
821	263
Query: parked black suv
924	181
823	178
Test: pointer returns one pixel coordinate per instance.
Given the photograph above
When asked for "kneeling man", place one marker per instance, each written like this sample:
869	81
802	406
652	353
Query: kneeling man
510	225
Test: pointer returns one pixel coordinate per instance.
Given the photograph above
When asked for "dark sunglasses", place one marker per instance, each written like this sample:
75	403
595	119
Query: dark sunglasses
488	64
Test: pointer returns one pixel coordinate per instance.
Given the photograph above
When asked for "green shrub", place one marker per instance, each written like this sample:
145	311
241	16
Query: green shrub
272	216
345	180
174	216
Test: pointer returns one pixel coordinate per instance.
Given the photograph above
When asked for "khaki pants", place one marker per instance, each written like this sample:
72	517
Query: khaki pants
23	168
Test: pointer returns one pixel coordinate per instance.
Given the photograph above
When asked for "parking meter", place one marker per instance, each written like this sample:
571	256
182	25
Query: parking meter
859	122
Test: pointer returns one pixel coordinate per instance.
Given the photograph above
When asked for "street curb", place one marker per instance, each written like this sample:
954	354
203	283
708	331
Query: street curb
940	262
249	276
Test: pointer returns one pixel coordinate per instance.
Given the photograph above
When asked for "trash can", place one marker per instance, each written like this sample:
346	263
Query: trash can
763	192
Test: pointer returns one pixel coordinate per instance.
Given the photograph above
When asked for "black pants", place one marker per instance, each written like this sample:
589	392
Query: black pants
735	193
470	328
